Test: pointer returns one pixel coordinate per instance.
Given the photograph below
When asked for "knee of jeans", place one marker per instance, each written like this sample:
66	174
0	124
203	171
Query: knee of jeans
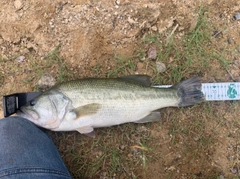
14	121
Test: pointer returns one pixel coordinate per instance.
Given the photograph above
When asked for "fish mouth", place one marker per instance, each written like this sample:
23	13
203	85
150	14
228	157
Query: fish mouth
26	114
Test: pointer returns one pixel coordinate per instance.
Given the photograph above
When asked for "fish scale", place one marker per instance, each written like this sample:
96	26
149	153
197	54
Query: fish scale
86	104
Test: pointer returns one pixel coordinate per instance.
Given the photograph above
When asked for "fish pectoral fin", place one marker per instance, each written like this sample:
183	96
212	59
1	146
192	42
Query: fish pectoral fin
87	130
152	117
86	110
144	80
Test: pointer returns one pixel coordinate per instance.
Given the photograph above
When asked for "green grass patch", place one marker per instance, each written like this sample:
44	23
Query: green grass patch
54	58
190	55
123	66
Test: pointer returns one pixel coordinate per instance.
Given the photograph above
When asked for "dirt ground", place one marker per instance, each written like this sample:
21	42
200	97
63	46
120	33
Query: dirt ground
197	142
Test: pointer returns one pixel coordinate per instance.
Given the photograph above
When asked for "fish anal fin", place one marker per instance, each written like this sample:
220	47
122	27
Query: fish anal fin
87	130
152	117
91	134
86	110
144	80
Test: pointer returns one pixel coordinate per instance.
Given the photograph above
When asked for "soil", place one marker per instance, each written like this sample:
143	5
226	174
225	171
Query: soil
187	143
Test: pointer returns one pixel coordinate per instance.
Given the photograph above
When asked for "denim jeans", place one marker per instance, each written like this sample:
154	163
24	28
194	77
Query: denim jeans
26	152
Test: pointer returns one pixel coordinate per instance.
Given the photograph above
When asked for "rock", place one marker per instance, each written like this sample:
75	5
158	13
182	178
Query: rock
161	67
18	4
152	53
154	28
117	2
20	59
234	170
230	40
47	81
237	16
122	147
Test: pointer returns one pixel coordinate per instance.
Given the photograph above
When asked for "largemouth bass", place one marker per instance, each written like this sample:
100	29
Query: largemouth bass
86	104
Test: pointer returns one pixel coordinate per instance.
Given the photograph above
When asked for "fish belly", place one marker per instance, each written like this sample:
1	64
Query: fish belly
116	112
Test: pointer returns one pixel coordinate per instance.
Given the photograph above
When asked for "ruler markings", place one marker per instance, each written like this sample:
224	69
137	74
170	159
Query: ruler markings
218	91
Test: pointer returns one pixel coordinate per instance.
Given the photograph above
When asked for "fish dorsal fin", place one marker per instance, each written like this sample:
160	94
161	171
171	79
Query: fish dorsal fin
144	80
86	110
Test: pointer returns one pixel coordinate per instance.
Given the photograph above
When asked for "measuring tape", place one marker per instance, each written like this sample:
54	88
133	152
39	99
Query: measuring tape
221	91
218	91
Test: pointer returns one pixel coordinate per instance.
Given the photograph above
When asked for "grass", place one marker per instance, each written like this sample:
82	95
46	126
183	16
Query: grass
115	162
51	61
28	72
190	55
188	128
53	58
123	66
97	70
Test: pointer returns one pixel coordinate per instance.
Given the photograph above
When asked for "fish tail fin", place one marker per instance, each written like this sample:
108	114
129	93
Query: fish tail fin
189	91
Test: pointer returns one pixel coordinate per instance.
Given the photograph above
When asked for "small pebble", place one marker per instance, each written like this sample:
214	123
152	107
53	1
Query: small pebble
230	40
122	147
237	16
47	81
20	59
154	28
152	53
161	67
234	170
117	2
18	4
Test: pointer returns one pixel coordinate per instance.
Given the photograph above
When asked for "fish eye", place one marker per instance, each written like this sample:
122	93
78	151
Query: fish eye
32	102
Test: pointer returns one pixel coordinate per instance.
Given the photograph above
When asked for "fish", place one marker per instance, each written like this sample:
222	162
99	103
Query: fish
88	103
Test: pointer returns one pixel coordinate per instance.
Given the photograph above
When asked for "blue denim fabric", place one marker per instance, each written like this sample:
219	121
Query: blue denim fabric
26	152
